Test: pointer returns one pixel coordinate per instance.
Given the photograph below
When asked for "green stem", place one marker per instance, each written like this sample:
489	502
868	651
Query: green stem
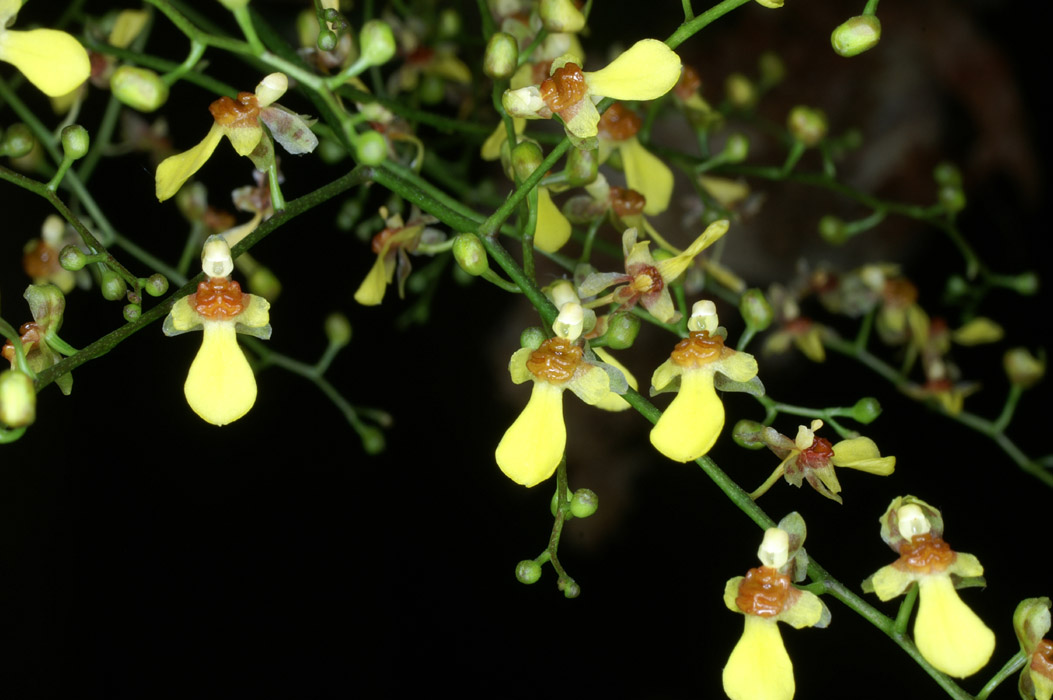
905	608
686	30
1012	666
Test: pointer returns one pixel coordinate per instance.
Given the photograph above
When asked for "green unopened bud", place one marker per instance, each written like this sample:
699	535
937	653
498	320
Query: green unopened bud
501	57
132	312
737	148
833	229
75	141
856	35
866	410
957	287
528	571
947	174
264	282
18	399
532	337
156	284
582	167
570	588
755	309
371	148
1025	283
326	40
771	67
584	503
18	141
740	91
113	287
747	433
1024	369
561	16
449	24
622	329
139	88
470	254
526	158
952	198
373	441
377	43
337	329
72	258
431	89
807	125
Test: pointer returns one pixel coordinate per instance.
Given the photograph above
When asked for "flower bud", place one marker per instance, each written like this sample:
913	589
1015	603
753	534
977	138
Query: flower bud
771	67
528	571
561	16
622	329
373	441
75	141
1025	283
584	503
947	174
132	312
740	91
501	57
156	284
326	40
371	148
755	309
112	286
1024	369
582	167
431	89
856	35
833	229
470	254
72	258
570	588
866	410
139	88
337	329
532	337
736	148
18	141
807	125
377	43
449	24
18	399
952	198
526	158
748	434
265	283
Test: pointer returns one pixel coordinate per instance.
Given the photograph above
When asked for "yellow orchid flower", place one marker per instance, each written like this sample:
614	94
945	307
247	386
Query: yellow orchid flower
689	427
643	172
1031	622
54	61
646	71
946	631
392	246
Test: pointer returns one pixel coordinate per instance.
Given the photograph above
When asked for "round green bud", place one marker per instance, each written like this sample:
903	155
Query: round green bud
584	503
771	67
330	151
553	505
582	167
561	16
866	410
431	89
264	282
470	254
373	441
833	230
755	309
737	148
526	158
1025	283
532	337
740	91
1023	368
350	213
952	198
139	88
947	174
75	141
18	141
326	40
371	148
18	399
501	57
132	312
377	42
570	588
72	258
807	125
528	571
622	329
957	287
337	329
113	287
749	434
856	35
156	284
449	24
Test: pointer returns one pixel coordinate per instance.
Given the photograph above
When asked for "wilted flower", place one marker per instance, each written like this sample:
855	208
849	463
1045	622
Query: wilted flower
1031	622
392	246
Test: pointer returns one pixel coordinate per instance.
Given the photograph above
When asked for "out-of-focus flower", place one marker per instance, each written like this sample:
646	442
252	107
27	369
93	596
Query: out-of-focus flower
40	257
643	172
1031	622
41	343
947	632
691	424
392	246
52	60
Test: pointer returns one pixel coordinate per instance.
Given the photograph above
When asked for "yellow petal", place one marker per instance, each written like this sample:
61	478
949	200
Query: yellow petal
371	291
182	318
664	374
647	175
582	120
673	267
244	139
649	69
889	582
806	611
731	593
854	449
533	445
978	331
612	401
737	366
691	424
553	229
591	384
175	170
491	149
126	27
220	386
948	633
811	344
759	667
53	61
256	313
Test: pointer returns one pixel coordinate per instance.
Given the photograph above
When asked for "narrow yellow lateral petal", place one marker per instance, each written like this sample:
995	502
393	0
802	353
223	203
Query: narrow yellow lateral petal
53	61
759	667
371	291
647	175
176	170
220	386
533	445
948	633
691	424
244	139
648	70
612	401
553	229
